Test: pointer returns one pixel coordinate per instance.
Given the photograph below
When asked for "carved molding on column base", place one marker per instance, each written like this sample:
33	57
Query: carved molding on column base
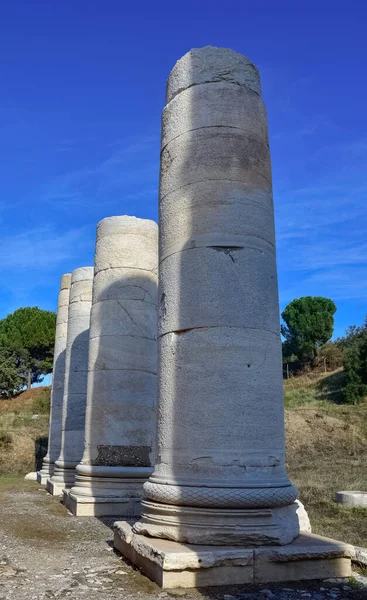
221	497
219	526
62	479
106	496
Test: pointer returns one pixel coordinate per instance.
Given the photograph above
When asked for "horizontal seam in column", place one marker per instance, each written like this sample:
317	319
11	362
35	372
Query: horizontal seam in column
208	127
130	269
235	248
114	335
212	179
256	204
244	85
124	233
123	369
122	299
178	331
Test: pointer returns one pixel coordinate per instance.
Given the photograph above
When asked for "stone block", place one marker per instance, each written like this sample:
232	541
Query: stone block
308	557
234	288
172	564
354	498
93	506
212	65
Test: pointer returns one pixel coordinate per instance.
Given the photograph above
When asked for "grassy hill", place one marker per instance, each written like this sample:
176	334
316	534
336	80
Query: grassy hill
327	452
21	436
326	447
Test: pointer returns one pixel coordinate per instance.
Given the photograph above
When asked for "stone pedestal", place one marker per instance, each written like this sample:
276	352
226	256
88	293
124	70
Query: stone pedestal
75	383
171	564
58	376
219	476
121	398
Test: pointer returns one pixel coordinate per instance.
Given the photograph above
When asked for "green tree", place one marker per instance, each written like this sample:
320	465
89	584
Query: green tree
29	333
309	323
10	377
355	365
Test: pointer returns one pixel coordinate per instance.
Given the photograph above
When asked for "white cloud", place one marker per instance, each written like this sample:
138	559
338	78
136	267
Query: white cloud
43	248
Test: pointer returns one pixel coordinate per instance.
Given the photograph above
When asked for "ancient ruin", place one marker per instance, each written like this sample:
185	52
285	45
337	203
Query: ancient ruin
58	377
121	398
219	500
75	383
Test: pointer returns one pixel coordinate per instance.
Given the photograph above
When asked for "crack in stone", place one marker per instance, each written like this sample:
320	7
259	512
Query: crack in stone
180	187
130	317
220	80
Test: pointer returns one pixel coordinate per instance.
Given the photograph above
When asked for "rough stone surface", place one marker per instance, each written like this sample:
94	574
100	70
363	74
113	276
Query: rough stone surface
219	526
304	521
75	381
58	377
211	64
46	554
121	397
360	556
175	564
220	398
354	498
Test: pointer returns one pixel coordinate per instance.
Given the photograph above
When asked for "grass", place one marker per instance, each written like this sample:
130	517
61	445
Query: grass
326	448
327	452
20	433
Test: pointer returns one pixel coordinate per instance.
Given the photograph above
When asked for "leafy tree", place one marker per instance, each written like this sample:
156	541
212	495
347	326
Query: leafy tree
355	365
10	377
309	323
333	354
352	333
29	333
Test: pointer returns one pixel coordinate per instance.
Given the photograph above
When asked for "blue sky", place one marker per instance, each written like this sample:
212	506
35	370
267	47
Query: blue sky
82	89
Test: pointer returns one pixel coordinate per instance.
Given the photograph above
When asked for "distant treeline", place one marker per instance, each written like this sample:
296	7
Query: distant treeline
307	331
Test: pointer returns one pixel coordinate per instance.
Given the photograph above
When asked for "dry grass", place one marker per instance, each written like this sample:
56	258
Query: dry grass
19	432
327	452
326	447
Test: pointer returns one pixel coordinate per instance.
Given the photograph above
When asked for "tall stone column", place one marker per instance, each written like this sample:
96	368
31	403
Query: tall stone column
58	376
75	383
219	476
121	398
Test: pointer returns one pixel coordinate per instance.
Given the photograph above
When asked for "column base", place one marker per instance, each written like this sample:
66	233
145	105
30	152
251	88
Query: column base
171	564
63	479
103	491
101	507
45	473
56	488
219	526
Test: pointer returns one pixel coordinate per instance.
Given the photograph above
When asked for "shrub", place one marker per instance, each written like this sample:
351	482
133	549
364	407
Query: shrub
41	403
355	366
6	440
333	355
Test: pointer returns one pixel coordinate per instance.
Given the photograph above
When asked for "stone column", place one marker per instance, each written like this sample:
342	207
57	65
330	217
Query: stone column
75	383
58	375
219	476
121	398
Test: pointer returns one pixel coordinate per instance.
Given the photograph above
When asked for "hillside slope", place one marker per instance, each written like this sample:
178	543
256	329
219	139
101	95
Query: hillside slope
327	452
23	439
326	447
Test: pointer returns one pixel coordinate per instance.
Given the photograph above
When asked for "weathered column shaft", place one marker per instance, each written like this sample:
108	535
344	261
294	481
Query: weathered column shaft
75	383
58	375
221	424
121	398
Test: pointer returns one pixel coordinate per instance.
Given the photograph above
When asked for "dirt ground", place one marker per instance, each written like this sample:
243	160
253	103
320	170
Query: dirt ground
47	553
